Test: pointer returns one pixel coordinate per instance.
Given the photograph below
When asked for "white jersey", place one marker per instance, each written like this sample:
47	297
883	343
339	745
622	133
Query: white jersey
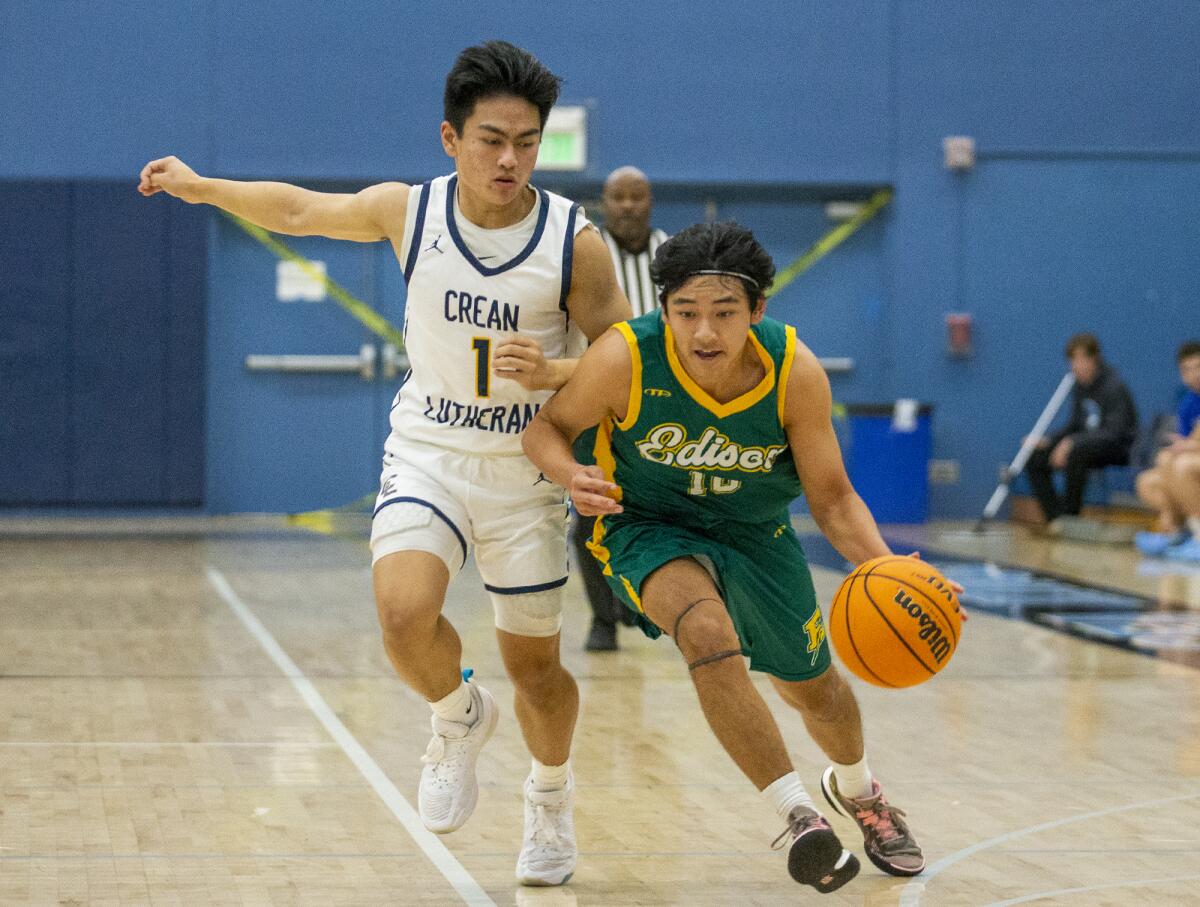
460	309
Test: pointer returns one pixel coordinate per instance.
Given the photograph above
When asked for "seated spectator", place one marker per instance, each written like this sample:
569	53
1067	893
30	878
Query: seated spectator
1172	486
1099	433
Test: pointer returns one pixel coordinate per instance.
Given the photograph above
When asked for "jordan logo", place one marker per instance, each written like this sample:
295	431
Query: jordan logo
542	478
433	246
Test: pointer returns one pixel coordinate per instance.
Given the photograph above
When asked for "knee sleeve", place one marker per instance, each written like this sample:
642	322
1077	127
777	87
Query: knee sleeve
415	527
529	613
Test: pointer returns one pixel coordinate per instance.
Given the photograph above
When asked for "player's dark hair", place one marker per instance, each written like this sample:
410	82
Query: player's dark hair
726	247
497	68
1187	350
1084	343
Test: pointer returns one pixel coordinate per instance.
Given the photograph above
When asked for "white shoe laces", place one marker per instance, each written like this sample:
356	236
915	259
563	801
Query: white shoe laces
543	831
436	752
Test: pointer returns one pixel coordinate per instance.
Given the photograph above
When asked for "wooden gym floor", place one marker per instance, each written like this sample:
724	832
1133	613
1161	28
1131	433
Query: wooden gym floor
200	712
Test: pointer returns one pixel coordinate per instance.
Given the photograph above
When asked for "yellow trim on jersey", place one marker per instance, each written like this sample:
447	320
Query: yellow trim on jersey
785	370
602	450
634	407
701	396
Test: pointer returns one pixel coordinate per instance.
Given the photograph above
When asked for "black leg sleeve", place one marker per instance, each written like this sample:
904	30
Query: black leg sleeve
1089	453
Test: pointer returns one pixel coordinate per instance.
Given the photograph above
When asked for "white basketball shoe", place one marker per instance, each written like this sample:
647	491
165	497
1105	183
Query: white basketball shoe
549	852
449	791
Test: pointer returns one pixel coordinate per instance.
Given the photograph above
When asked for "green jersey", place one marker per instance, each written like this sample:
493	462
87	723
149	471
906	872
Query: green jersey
710	481
681	456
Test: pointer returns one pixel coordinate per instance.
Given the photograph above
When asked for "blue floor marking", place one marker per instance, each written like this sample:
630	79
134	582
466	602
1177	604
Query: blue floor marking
1173	634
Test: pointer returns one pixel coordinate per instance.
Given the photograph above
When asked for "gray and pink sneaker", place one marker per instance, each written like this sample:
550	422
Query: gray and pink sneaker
887	840
815	855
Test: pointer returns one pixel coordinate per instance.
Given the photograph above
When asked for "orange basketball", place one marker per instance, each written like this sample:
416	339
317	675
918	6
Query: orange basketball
895	621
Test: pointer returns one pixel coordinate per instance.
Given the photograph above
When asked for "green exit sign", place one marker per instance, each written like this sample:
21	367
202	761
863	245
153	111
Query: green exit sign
564	140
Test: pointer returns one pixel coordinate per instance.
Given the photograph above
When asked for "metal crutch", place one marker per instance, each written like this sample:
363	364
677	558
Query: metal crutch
1039	431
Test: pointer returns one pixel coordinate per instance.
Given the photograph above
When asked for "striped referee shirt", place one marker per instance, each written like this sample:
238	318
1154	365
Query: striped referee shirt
633	271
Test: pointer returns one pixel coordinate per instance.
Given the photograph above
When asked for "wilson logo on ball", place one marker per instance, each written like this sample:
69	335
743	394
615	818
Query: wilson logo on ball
930	633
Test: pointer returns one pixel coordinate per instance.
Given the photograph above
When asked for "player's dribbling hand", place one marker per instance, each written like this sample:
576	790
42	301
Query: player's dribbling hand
592	493
169	175
522	360
956	587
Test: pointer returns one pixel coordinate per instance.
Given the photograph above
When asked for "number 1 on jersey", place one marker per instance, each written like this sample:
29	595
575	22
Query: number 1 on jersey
483	365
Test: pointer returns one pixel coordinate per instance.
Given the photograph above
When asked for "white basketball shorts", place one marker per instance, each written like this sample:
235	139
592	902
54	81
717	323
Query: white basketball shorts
446	502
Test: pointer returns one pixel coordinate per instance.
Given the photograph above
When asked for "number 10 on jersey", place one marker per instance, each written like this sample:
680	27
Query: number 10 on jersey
483	365
699	484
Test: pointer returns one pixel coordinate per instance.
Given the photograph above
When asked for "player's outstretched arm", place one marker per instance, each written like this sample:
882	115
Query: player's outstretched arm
598	388
808	419
375	213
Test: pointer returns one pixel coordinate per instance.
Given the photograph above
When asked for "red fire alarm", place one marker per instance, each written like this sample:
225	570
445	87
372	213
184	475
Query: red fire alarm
959	331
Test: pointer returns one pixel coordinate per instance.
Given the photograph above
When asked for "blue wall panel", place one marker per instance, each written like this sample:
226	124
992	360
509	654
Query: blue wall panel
187	311
101	352
1059	75
35	318
137	360
96	90
353	90
360	95
118	399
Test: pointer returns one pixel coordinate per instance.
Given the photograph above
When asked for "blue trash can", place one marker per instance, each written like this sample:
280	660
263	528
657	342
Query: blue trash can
888	460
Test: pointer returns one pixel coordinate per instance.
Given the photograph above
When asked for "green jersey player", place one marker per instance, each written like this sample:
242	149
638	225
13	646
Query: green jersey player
695	428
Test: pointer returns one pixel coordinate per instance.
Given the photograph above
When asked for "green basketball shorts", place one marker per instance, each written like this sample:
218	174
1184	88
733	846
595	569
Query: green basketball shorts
760	570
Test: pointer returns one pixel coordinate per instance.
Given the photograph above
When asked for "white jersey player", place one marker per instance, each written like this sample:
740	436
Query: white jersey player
470	290
500	277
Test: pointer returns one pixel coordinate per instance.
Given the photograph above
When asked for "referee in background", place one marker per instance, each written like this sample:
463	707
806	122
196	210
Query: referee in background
632	242
626	203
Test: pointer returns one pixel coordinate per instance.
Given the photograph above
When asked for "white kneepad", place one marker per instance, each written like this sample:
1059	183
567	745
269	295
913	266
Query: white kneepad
529	613
407	526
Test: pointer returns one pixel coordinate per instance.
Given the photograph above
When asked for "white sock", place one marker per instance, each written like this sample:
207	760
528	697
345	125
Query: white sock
456	706
854	781
787	793
1193	524
550	777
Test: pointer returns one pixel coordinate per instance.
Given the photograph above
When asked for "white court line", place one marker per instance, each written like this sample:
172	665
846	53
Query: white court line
910	894
434	849
1049	894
